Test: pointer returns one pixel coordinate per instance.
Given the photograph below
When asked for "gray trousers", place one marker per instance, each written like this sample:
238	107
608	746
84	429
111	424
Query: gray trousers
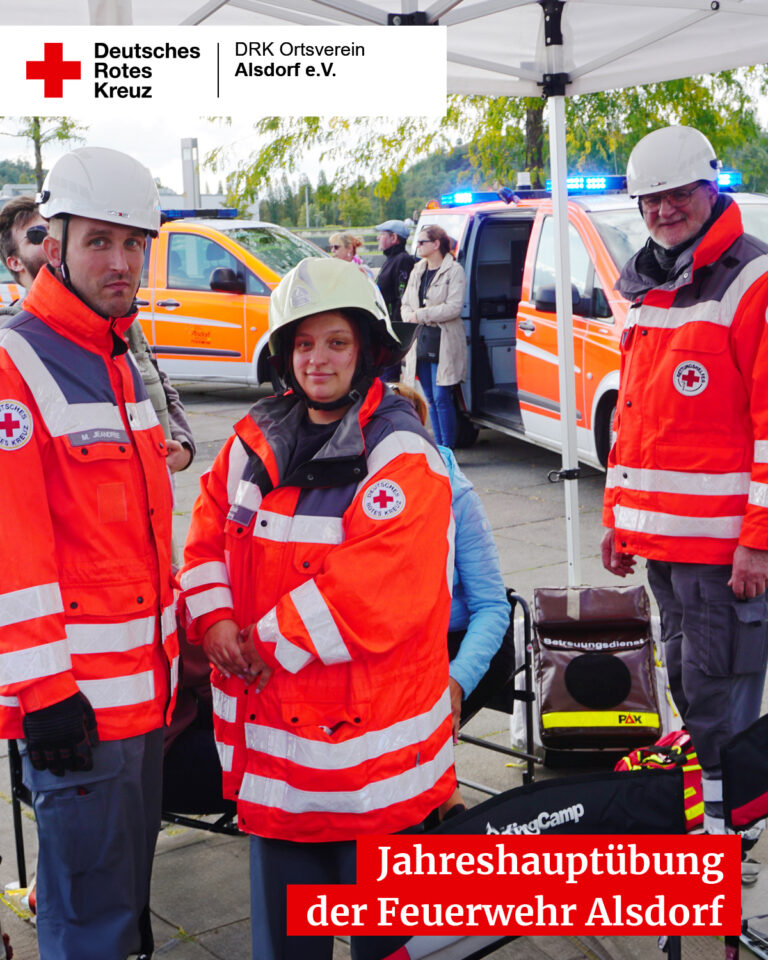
96	834
717	649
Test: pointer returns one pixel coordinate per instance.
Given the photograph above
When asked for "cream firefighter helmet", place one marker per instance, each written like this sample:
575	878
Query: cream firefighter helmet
321	284
101	184
668	158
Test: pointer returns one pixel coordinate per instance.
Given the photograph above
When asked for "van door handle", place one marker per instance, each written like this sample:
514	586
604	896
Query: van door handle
526	325
171	304
141	303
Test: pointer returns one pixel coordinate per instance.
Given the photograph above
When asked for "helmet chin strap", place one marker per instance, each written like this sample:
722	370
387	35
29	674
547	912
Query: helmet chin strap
63	266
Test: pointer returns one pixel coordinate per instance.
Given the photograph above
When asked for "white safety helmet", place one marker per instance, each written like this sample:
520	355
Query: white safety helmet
321	284
668	158
102	184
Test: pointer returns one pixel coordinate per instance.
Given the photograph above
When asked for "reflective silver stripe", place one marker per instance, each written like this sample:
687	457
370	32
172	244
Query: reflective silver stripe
374	796
237	461
349	753
141	415
30	603
168	621
33	663
12	702
224	706
204	602
758	494
60	417
714	825
291	657
720	312
248	495
397	443
226	752
119	691
204	574
174	674
711	790
89	638
321	626
678	481
280	528
670	525
761	451
449	564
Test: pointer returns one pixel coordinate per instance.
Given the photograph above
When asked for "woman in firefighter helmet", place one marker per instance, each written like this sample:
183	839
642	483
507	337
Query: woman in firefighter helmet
316	579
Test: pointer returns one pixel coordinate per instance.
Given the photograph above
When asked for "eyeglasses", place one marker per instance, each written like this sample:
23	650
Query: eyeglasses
337	246
421	242
37	234
678	198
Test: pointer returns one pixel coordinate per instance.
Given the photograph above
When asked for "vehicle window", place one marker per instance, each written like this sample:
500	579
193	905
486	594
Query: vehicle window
754	216
452	223
192	259
279	249
544	269
145	268
602	310
255	286
622	231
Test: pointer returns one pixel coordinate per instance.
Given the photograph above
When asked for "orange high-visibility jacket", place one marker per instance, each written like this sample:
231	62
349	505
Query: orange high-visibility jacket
86	596
345	567
688	475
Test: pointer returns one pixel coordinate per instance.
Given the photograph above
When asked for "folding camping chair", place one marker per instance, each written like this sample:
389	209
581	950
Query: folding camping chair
508	695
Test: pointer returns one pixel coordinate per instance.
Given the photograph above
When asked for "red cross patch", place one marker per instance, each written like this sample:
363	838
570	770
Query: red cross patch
383	500
15	425
690	378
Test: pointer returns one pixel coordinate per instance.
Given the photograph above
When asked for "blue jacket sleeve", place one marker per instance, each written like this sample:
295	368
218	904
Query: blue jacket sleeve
480	602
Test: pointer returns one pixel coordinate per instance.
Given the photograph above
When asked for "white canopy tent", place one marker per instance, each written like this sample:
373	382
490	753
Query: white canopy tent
512	48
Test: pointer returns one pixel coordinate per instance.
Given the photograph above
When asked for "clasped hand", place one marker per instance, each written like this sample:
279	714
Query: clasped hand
233	653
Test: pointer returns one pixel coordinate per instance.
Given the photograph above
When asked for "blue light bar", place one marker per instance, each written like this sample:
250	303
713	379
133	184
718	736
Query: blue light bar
729	178
593	183
462	197
217	213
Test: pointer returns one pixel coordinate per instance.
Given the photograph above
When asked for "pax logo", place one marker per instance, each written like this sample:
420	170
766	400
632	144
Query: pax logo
53	70
626	719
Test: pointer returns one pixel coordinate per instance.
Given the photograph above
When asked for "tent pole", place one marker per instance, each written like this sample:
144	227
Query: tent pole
565	331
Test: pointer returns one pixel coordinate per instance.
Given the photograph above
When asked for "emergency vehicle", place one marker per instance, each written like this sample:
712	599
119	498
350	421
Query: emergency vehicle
204	294
9	289
506	247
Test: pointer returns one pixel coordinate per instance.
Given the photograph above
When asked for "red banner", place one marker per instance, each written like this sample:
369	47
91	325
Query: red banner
512	885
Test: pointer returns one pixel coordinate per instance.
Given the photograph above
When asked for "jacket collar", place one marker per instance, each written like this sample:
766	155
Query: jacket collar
273	422
63	311
633	282
445	265
395	249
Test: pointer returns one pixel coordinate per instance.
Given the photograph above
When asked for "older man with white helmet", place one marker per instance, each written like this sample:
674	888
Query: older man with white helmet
687	480
88	643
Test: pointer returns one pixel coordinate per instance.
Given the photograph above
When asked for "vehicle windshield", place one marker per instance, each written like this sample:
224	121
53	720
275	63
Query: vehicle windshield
5	274
279	249
452	223
623	231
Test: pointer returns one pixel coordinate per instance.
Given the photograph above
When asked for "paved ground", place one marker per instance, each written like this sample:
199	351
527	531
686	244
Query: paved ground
200	887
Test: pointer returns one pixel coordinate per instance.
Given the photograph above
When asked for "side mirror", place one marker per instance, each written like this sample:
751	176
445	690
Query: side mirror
226	280
546	299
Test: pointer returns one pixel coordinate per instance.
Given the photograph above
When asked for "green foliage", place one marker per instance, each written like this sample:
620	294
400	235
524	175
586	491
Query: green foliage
16	171
41	131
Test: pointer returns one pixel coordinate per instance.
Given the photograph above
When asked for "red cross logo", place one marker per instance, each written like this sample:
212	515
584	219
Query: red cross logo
9	425
689	378
383	499
53	70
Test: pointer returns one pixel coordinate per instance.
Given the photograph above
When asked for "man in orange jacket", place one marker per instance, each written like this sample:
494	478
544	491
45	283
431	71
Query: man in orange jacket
87	623
687	483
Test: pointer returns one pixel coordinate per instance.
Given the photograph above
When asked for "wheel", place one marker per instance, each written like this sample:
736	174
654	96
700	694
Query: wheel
605	436
466	431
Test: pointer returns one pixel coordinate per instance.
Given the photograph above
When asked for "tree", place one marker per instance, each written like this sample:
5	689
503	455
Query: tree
43	130
504	135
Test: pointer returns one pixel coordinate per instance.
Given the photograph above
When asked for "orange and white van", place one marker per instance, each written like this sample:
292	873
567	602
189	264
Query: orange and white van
9	289
508	253
204	295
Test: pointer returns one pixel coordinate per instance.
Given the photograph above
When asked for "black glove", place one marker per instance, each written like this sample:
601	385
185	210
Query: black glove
60	737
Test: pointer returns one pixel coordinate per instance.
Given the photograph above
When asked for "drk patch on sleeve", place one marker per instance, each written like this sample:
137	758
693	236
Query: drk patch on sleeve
383	500
15	425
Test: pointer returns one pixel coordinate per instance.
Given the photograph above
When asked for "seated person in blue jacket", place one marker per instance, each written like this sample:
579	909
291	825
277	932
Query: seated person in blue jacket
479	608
